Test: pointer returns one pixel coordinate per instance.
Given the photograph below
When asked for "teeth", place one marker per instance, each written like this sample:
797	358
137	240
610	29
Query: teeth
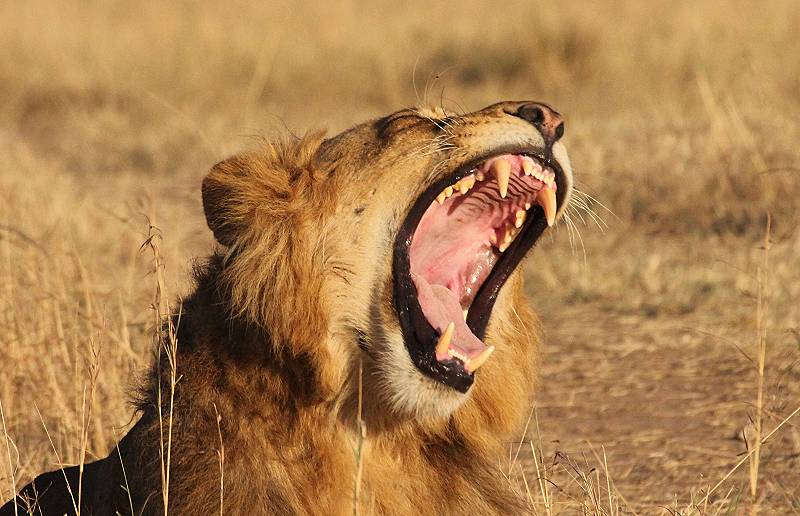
508	237
465	184
465	313
519	218
527	165
547	200
502	170
448	191
443	346
472	365
440	198
460	356
480	176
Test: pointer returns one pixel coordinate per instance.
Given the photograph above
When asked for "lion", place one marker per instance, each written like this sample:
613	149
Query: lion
359	341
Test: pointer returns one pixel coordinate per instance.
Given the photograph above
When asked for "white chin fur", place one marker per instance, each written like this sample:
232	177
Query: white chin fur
407	389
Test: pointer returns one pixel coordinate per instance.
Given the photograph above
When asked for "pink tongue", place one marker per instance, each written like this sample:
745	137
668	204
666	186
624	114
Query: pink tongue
441	307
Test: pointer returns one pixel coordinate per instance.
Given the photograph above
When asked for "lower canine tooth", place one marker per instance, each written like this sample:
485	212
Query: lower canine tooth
547	200
478	361
502	170
444	341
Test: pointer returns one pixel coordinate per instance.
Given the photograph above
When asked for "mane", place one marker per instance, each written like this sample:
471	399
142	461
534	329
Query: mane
266	207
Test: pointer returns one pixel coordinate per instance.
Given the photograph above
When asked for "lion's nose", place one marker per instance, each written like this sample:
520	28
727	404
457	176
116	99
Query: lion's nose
544	118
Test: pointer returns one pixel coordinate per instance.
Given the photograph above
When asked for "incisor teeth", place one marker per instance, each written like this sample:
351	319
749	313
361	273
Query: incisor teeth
519	218
465	184
440	198
444	341
478	361
547	200
527	165
502	170
448	191
465	313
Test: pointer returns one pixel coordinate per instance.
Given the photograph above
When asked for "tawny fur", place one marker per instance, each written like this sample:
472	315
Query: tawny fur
292	315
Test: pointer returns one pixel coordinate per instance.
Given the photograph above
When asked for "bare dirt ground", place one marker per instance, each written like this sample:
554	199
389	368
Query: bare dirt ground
682	121
668	407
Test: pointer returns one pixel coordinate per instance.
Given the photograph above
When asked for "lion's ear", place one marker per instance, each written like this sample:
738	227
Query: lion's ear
219	198
262	190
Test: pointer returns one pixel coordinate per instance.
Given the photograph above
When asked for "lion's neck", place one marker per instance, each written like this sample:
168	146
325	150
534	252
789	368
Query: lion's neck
288	444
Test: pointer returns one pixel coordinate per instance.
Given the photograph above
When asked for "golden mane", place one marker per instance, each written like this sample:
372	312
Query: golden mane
265	206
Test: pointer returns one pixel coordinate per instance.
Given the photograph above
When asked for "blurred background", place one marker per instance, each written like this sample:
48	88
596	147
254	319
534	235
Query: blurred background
661	304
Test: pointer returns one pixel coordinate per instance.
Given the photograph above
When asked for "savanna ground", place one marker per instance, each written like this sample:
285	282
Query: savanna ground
682	120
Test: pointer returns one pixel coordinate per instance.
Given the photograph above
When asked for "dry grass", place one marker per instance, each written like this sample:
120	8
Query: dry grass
682	118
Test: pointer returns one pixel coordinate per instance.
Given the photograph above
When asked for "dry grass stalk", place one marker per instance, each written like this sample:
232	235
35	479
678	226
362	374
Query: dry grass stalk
166	337
361	438
221	456
93	370
9	445
761	353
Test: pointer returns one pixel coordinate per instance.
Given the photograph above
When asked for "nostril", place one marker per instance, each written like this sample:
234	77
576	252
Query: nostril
547	120
532	113
560	130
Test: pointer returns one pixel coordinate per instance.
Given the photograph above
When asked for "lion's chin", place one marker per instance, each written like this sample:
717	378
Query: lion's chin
411	393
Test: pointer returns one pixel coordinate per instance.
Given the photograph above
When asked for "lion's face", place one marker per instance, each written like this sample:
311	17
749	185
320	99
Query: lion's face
433	215
394	245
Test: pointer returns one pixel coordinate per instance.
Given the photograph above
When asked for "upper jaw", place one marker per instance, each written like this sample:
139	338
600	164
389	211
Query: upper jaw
420	336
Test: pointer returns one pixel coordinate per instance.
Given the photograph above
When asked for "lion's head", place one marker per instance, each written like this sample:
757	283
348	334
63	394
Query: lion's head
394	245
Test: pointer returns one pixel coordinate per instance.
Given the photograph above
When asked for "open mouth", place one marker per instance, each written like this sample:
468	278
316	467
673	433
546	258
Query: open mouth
461	241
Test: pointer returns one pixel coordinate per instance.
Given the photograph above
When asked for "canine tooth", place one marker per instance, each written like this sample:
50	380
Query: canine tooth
502	169
478	361
527	206
440	198
527	165
519	219
547	200
443	346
